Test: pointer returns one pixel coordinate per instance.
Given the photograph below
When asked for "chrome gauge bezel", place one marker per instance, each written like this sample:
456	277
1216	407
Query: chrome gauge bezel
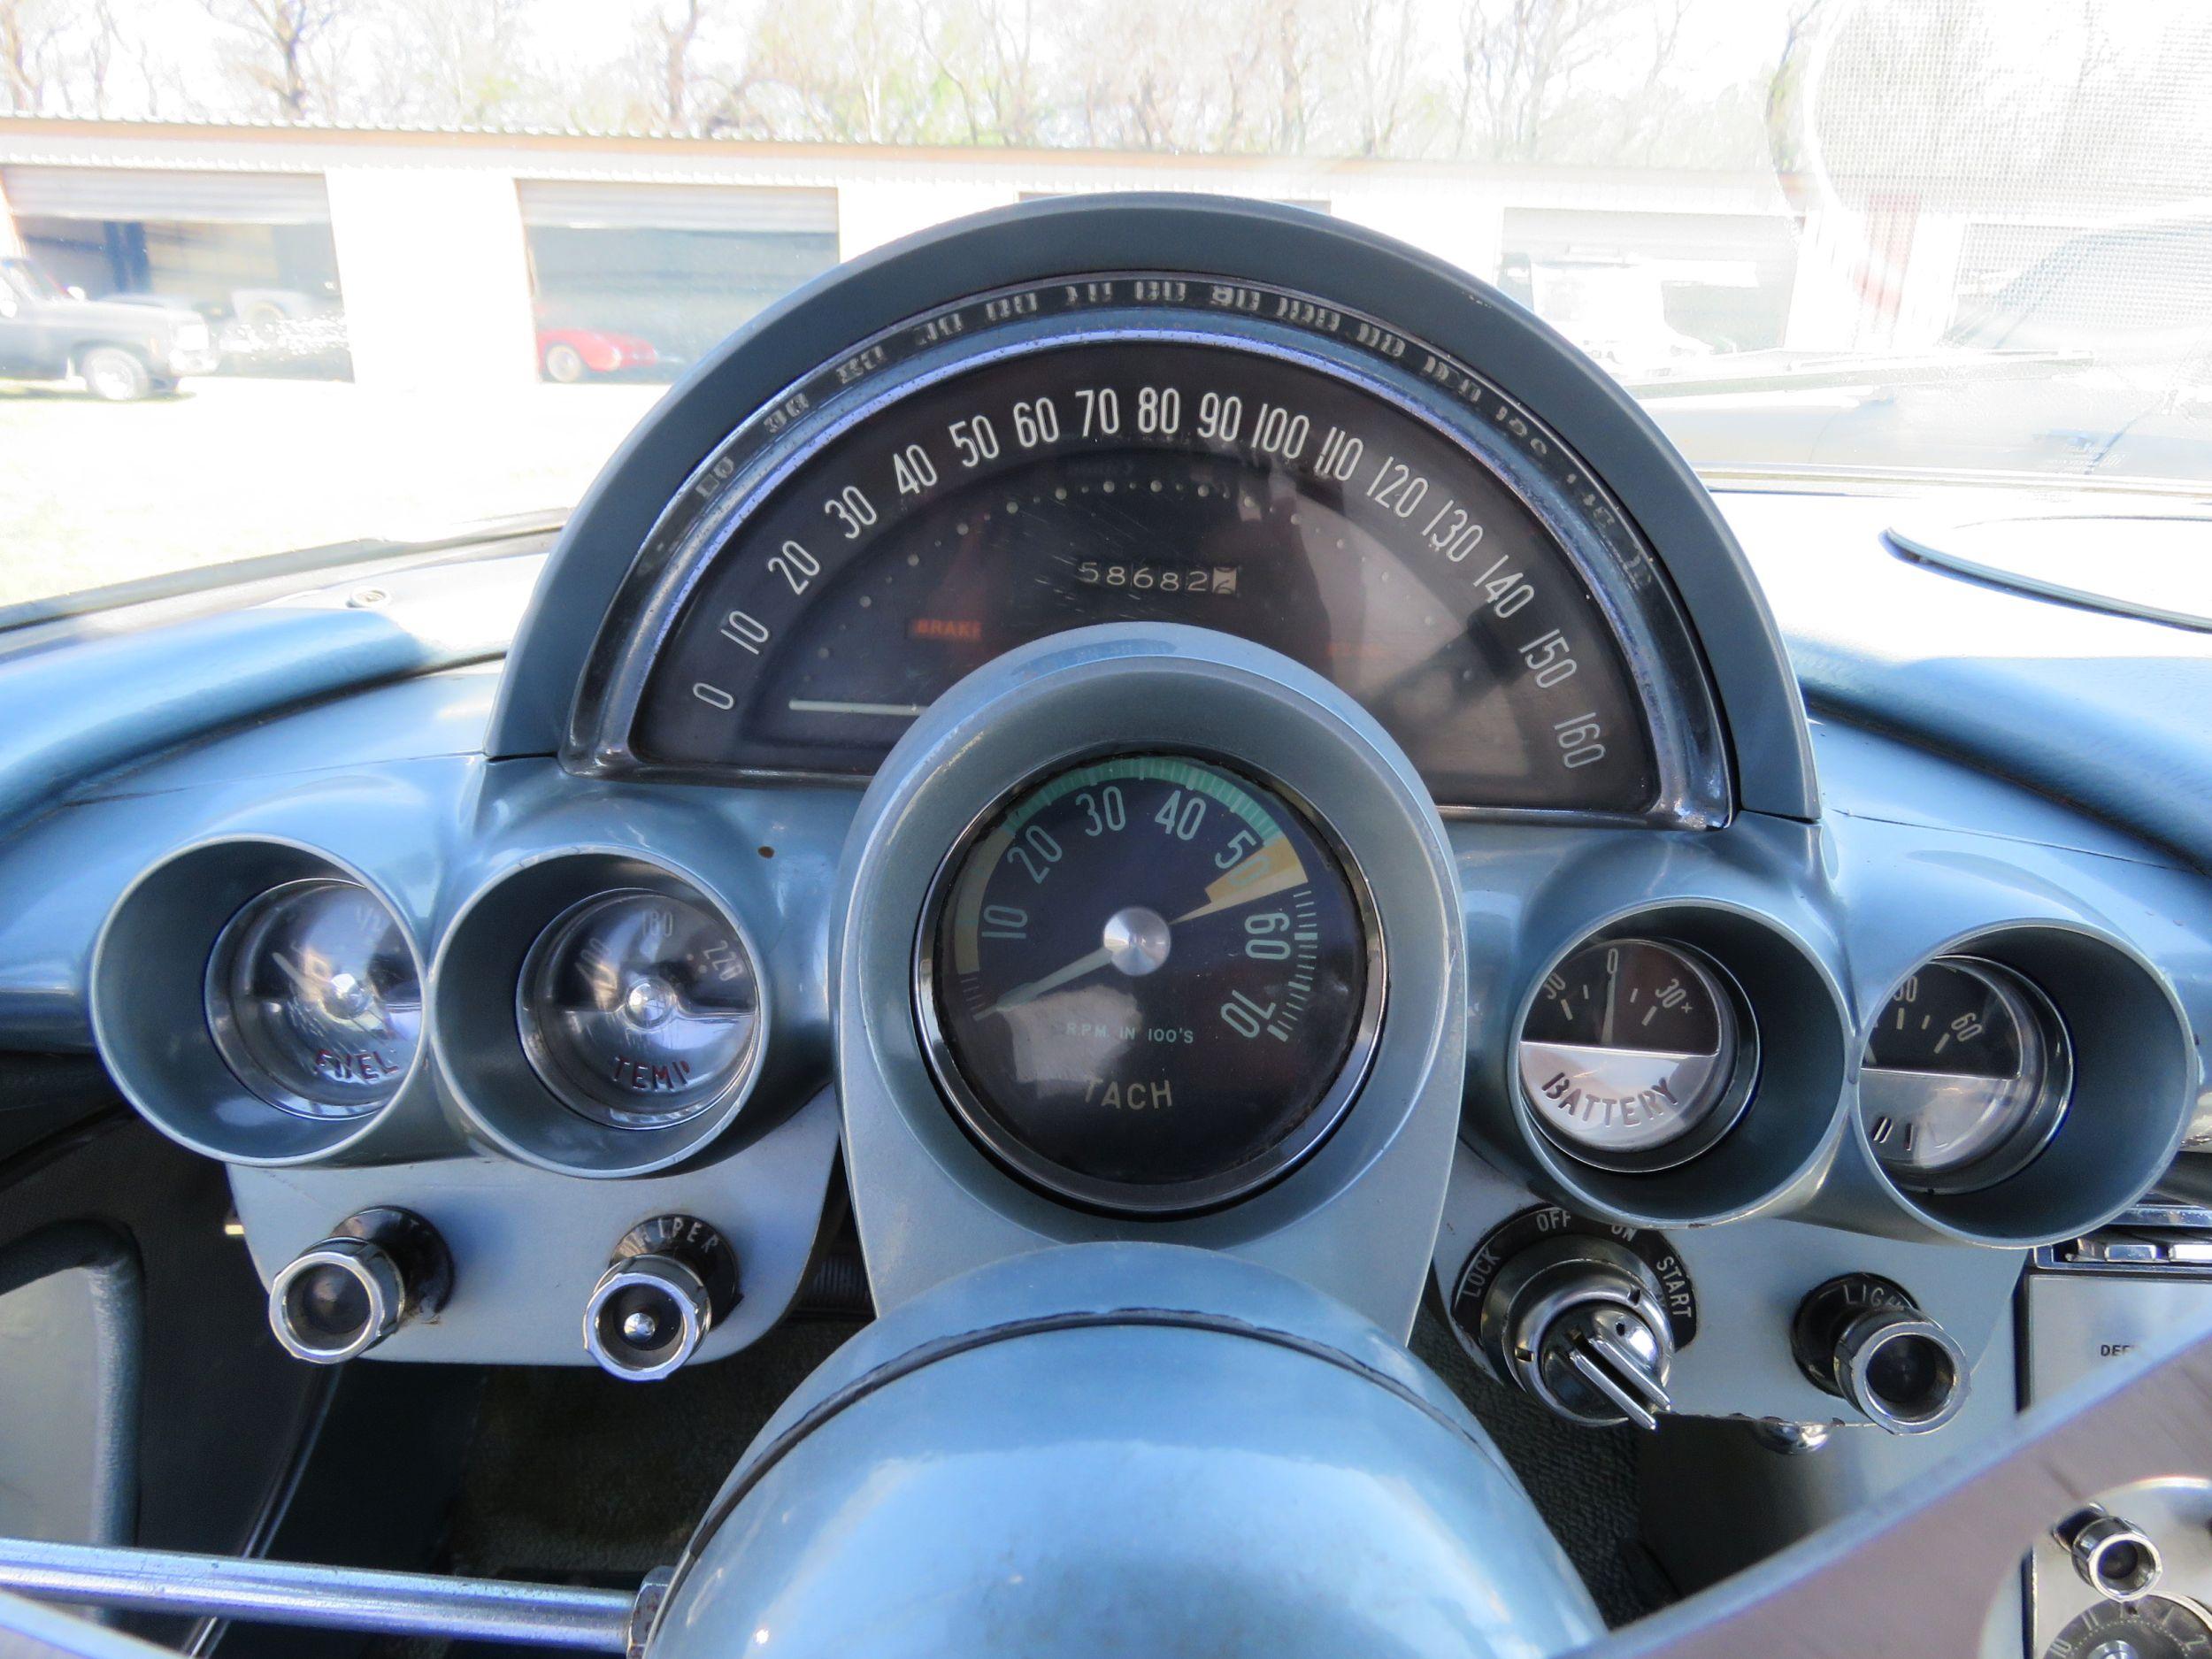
2047	1050
224	1025
1132	1199
555	1073
477	1033
1738	1054
1601	543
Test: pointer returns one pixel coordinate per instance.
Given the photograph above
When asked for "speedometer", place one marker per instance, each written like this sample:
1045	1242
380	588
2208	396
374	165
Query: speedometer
1160	449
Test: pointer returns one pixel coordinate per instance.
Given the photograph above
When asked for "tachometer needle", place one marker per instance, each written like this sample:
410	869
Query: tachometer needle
1052	982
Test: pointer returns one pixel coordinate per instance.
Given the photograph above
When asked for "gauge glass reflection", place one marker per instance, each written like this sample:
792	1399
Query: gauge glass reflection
1965	1077
639	1009
314	999
1633	1055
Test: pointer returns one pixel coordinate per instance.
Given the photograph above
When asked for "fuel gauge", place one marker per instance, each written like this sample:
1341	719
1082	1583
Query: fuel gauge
314	1000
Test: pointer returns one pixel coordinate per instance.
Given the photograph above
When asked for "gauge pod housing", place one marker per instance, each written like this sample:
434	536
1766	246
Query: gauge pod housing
2103	1067
598	1013
262	1002
1719	1106
1357	1207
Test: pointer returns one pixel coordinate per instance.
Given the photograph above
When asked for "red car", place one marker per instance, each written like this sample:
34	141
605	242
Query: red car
567	355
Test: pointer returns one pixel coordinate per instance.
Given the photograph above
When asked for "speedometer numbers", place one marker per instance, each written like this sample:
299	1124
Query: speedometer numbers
1637	1055
1262	493
1965	1078
1150	984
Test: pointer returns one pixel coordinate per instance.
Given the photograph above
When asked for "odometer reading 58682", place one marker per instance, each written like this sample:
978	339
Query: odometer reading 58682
1150	983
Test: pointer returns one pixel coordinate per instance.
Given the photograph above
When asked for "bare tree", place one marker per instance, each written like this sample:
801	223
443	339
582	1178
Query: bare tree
275	44
986	52
1518	61
1382	66
29	35
450	62
673	31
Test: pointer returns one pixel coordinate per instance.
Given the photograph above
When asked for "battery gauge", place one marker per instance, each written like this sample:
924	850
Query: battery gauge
1638	1054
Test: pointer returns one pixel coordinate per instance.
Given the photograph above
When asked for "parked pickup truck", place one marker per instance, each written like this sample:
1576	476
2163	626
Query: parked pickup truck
120	350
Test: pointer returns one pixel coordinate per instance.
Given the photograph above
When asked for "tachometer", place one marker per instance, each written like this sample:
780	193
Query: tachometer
1163	449
1150	983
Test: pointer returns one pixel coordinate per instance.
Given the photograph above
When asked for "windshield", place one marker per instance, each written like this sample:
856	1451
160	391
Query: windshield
392	266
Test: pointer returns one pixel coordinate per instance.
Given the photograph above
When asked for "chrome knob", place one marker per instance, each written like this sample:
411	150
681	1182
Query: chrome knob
670	1279
1579	1322
339	1298
1866	1341
2117	1560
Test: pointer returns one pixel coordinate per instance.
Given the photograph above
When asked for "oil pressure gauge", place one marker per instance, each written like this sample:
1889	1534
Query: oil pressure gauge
1638	1055
1965	1078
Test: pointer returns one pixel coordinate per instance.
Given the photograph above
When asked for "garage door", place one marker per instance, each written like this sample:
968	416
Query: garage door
639	279
705	207
125	193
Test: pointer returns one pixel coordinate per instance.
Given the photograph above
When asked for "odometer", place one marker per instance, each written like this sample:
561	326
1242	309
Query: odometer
1149	984
1269	493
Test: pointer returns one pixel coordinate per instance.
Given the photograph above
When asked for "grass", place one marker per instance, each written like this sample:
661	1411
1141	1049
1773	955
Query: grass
92	493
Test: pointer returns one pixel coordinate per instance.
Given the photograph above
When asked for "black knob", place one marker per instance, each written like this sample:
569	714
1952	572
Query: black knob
672	1278
339	1298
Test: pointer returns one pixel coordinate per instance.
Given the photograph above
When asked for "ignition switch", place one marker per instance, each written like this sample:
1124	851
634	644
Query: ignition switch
1585	1318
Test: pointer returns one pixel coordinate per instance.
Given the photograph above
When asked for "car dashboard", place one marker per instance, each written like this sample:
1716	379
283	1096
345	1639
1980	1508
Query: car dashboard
1159	721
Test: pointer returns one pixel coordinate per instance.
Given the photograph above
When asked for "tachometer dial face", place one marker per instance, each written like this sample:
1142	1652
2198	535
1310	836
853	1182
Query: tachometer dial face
314	999
638	1008
2152	1627
1150	984
1965	1077
1149	480
1634	1056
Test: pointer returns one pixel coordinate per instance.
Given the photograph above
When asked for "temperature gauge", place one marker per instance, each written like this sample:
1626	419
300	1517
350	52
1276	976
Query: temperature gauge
1965	1077
639	1009
1638	1055
314	999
